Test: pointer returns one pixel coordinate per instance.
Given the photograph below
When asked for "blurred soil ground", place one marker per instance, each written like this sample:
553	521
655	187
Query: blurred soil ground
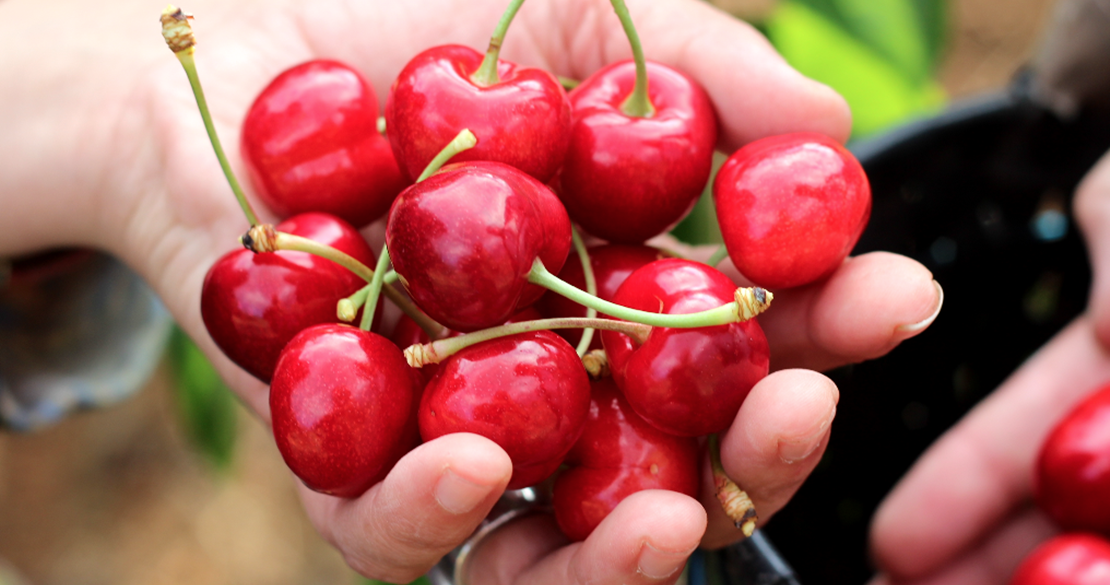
118	497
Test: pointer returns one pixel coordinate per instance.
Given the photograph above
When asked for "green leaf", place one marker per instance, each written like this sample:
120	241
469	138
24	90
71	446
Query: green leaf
879	94
208	410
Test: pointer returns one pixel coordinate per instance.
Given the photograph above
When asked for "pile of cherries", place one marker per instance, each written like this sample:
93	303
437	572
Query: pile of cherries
1072	486
477	243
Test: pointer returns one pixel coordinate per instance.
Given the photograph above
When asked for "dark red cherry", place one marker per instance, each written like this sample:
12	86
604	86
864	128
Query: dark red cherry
523	120
311	143
791	208
611	263
617	455
343	406
464	239
687	382
253	304
1072	481
1068	559
626	179
527	392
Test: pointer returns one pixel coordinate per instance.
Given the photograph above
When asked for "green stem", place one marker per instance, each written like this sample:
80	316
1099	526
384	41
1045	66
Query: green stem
717	256
432	353
755	301
464	140
391	277
375	291
263	238
568	83
486	75
638	104
186	59
591	288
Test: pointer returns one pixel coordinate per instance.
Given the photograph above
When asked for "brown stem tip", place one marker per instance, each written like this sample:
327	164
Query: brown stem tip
752	301
736	504
260	238
596	363
176	29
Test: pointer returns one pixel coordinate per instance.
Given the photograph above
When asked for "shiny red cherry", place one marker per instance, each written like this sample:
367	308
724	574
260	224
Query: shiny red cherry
523	120
626	179
1072	481
527	392
311	143
687	382
791	208
464	239
253	304
617	455
611	264
343	408
1068	559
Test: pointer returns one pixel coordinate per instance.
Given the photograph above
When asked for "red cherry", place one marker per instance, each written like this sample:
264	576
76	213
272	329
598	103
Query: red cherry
687	382
791	208
1068	559
617	455
343	408
626	179
522	121
527	392
464	239
253	304
611	265
1072	482
311	143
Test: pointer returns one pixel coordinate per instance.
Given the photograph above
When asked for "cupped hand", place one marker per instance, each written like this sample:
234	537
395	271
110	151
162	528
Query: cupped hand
103	147
964	512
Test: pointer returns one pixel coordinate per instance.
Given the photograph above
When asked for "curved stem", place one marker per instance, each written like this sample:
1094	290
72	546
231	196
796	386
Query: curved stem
263	238
486	75
638	104
420	355
717	256
375	286
462	141
749	303
591	288
178	33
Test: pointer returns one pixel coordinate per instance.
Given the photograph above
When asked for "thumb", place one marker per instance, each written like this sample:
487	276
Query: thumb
1092	210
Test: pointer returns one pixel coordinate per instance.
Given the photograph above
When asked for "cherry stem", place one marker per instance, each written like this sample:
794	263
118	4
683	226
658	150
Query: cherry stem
179	36
464	140
376	283
420	355
486	75
347	309
264	238
638	104
748	303
568	83
380	124
717	256
735	502
391	277
591	288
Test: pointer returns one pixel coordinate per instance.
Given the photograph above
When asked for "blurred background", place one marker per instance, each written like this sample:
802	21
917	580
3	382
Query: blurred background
179	485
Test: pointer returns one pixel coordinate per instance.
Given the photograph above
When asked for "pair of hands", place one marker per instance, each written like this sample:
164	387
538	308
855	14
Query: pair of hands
103	147
964	512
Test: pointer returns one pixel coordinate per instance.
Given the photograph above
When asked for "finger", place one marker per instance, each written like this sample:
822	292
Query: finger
866	308
756	93
645	540
778	438
432	500
1092	212
994	560
982	469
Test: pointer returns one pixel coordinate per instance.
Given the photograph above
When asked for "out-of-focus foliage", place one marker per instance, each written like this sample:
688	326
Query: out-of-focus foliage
881	55
206	405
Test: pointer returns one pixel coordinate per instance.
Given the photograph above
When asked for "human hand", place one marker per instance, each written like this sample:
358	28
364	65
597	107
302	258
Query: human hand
963	513
103	147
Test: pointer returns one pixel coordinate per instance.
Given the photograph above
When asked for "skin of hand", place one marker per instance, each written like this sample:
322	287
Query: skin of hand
103	147
964	512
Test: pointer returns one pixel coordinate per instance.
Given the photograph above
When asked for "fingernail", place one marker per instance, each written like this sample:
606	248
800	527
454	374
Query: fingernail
914	328
798	449
657	564
459	495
